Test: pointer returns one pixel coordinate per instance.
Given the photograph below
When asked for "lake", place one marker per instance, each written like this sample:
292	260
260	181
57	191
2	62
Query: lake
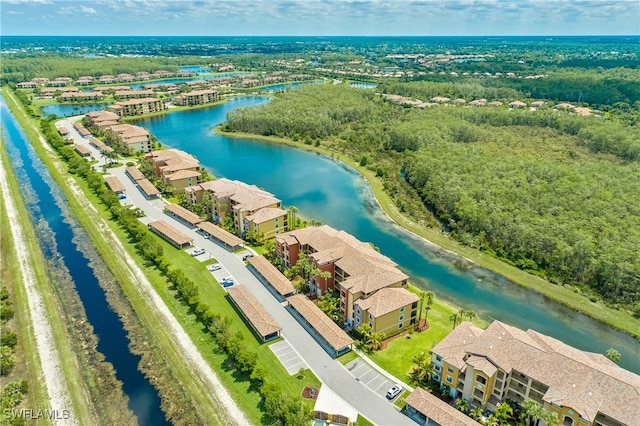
327	190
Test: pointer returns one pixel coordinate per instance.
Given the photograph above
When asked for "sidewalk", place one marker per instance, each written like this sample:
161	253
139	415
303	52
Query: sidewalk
381	370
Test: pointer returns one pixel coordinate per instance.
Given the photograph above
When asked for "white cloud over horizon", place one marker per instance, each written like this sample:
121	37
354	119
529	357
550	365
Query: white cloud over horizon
323	17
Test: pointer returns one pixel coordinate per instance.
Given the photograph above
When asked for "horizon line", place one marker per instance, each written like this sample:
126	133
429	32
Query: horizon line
319	36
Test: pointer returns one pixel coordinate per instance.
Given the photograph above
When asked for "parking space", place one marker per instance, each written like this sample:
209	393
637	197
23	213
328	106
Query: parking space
288	357
369	377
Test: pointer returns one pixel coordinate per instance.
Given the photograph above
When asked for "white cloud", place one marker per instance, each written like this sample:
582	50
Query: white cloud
27	1
88	10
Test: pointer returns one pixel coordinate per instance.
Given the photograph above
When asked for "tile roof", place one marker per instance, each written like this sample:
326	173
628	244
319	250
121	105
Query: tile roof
266	214
220	234
368	270
184	214
333	334
134	173
147	187
387	300
257	315
587	382
114	184
182	174
245	197
170	232
272	275
437	410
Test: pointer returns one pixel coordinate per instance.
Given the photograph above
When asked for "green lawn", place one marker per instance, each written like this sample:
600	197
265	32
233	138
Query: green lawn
396	358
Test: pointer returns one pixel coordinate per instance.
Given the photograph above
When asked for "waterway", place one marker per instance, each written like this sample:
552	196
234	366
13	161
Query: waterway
327	190
67	110
49	210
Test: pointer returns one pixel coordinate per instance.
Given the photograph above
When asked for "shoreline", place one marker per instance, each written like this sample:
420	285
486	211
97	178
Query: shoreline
472	257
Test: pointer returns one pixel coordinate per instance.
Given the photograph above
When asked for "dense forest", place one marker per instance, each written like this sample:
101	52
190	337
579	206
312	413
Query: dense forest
553	193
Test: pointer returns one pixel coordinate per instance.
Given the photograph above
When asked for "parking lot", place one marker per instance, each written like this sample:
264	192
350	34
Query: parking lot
369	377
288	357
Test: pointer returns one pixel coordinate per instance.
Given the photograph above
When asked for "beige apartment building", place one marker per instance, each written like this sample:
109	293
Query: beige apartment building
486	367
134	107
357	272
197	97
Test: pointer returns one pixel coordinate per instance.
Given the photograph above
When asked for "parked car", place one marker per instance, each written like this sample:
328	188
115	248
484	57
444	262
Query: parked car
394	391
246	257
214	267
227	282
197	252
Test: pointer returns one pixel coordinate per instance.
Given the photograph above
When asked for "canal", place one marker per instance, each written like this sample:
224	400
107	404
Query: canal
326	190
49	210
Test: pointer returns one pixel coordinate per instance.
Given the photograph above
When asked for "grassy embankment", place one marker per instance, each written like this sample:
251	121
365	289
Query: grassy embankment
565	295
28	366
211	293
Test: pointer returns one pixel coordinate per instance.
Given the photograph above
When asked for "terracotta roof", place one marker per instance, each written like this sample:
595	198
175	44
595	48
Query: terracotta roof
320	322
147	187
184	214
387	300
170	232
134	173
272	275
257	315
83	150
220	234
245	197
437	410
266	214
586	382
182	174
114	184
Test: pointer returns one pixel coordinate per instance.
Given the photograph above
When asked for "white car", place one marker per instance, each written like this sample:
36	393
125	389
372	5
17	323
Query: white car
197	252
394	391
214	267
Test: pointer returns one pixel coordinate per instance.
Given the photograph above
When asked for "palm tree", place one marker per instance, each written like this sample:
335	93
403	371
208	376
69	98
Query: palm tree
471	314
292	217
532	411
455	317
476	414
501	416
462	405
613	354
429	296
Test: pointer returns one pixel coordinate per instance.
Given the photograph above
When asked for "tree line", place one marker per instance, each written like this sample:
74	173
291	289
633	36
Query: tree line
550	192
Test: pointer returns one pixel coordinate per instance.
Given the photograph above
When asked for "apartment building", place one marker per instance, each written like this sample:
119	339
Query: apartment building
197	97
252	209
486	367
356	272
133	94
136	107
176	168
102	119
135	138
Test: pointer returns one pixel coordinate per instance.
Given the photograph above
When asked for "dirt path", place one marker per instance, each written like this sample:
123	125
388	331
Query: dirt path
50	363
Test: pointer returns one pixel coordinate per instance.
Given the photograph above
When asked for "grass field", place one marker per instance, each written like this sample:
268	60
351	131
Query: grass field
396	358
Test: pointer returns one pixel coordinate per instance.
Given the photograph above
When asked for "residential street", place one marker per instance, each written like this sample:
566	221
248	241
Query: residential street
370	404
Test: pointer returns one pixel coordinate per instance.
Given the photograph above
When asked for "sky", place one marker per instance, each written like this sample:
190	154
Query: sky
320	17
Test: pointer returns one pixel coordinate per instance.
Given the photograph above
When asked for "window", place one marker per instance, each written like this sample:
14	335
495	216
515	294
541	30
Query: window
438	358
371	325
450	370
402	309
481	379
449	379
370	316
401	325
436	367
401	318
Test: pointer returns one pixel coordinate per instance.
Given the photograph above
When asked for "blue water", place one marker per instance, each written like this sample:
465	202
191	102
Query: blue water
138	86
361	85
47	203
198	69
287	86
326	190
68	110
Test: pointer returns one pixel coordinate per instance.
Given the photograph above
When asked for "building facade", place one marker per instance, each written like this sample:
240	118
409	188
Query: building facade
486	367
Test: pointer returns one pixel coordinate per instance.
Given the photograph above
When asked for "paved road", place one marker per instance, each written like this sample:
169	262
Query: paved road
333	374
